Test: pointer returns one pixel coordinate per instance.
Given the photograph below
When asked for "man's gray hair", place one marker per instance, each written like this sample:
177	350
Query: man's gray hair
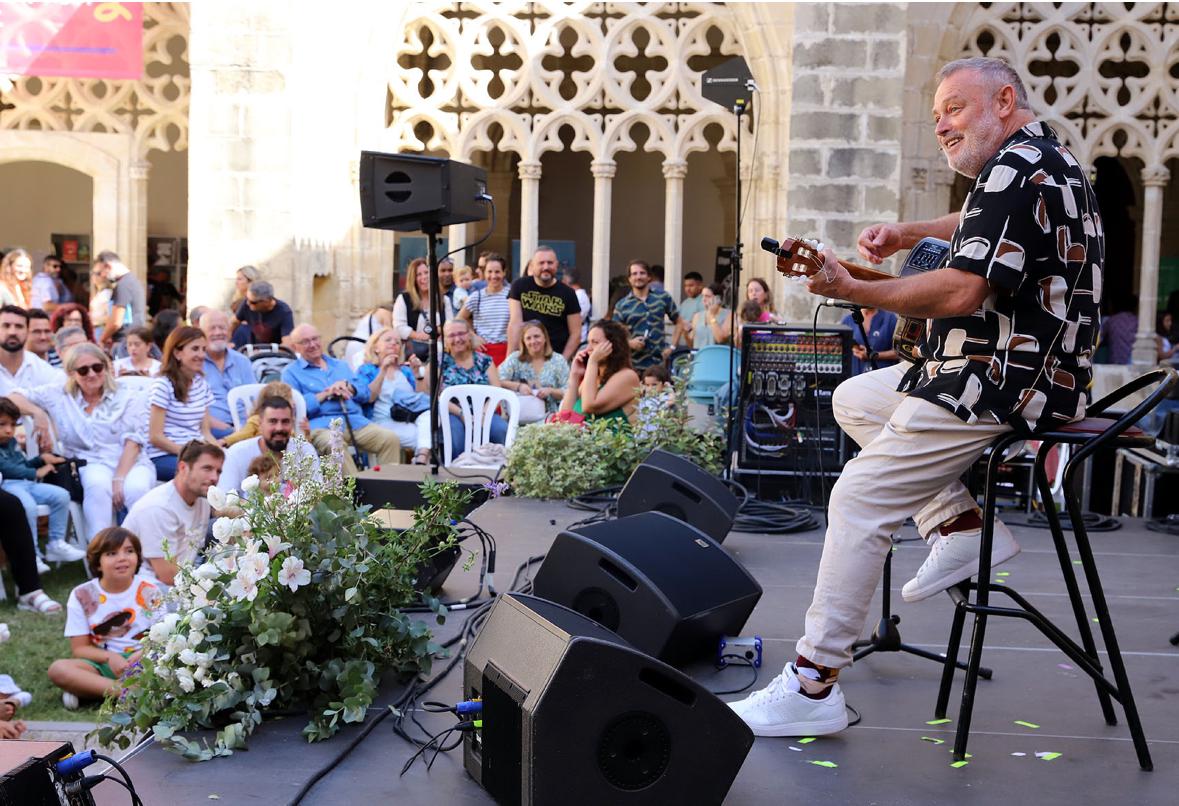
997	72
262	289
65	334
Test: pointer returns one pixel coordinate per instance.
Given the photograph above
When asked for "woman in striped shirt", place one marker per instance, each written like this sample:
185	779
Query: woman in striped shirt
487	309
180	401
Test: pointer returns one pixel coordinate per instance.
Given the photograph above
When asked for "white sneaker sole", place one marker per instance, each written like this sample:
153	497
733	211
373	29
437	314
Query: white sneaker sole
822	728
954	577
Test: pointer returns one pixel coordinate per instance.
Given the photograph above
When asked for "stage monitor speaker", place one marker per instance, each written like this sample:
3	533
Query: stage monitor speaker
574	715
406	191
660	583
668	483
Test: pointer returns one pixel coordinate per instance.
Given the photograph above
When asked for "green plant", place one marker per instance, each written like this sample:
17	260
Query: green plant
298	606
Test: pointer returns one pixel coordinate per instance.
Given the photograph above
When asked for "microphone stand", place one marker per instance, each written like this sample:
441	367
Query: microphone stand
887	635
734	286
432	229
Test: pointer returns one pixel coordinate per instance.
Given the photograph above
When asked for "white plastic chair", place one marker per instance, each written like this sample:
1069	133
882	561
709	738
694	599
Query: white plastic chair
478	402
241	400
136	383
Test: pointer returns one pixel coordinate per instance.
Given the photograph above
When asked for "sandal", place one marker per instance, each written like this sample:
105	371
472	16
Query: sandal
422	457
38	602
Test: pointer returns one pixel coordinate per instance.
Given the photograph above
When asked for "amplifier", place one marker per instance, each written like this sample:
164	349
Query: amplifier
788	374
29	775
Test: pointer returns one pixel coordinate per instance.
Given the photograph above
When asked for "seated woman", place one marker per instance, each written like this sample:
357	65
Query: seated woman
711	323
392	387
138	360
71	314
536	370
102	422
249	429
180	400
460	365
602	384
17	542
105	619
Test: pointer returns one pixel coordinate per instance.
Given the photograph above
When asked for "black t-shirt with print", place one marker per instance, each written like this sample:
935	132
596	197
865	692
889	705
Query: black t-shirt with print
1031	227
550	306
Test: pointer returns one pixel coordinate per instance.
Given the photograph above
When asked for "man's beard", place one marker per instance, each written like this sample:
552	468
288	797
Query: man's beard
217	347
976	148
277	442
13	344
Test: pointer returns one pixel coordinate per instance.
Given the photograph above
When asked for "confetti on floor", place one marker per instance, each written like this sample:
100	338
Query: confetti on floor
938	722
1064	666
796	749
807	740
1047	756
1019	754
1031	725
1002	573
932	740
959	764
823	763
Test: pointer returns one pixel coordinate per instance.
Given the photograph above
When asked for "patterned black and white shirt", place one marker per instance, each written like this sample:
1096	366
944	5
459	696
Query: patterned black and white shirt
1031	227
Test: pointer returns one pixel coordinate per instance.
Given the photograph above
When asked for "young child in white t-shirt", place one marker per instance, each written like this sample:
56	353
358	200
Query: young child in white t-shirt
105	618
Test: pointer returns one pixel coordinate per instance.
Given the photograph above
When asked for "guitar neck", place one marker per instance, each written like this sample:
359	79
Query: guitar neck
865	273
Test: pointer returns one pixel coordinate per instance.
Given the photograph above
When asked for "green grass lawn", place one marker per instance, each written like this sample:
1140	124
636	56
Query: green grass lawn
36	642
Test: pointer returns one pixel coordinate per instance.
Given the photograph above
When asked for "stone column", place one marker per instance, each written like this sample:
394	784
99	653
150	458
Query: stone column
136	257
674	172
529	211
603	171
457	235
1154	179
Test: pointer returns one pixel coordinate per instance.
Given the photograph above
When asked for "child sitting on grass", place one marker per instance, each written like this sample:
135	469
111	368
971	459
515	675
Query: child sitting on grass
105	619
22	478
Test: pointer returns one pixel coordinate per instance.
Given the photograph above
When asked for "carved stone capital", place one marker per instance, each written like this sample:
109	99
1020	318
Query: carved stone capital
140	169
1156	176
529	170
675	169
603	169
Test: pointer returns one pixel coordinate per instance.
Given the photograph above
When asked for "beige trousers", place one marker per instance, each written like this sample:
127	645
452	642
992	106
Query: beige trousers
912	456
382	445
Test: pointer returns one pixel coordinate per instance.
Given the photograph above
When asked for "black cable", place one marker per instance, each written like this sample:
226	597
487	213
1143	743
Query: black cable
858	718
491	203
135	799
736	661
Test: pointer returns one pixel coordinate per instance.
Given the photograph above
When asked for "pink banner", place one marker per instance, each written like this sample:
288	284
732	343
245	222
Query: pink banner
81	40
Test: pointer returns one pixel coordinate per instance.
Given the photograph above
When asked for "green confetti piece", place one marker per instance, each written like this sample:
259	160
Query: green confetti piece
1047	756
1003	574
968	755
807	740
959	764
938	722
932	740
830	764
1076	562
1096	620
1031	725
999	582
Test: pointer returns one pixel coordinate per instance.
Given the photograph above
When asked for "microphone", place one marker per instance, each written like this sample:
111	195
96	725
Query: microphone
834	303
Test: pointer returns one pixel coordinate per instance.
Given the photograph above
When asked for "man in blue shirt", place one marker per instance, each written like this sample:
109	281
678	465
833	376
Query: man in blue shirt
642	311
331	390
880	326
224	369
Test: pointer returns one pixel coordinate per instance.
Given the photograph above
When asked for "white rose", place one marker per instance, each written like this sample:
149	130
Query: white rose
208	682
159	632
217	499
195	637
223	528
176	644
185	679
198	620
188	657
199	674
232	499
207	571
163	672
249	484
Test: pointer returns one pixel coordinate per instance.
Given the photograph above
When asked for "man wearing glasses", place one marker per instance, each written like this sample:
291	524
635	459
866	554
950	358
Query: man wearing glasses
48	289
267	320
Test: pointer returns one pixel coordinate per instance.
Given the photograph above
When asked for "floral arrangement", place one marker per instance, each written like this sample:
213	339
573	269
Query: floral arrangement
298	606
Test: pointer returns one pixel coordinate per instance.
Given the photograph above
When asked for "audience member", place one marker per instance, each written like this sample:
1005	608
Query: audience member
195	314
370	323
19	546
161	328
569	277
395	401
23	477
751	313
655	396
19	368
48	290
602	383
128	297
463	277
101	293
642	311
276	422
880	325
162	295
250	428
539	296
691	304
40	341
12	698
332	391
1119	329
480	281
536	371
16	274
1164	325
224	369
710	325
173	518
460	364
488	310
138	360
101	422
266	469
106	618
411	310
757	290
71	314
66	339
180	400
446	280
265	320
242	279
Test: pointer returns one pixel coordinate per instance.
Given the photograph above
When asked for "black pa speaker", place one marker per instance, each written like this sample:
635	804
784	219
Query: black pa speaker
405	191
574	715
663	585
669	483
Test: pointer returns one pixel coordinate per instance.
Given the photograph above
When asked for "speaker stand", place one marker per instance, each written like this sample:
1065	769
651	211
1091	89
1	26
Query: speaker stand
887	637
432	229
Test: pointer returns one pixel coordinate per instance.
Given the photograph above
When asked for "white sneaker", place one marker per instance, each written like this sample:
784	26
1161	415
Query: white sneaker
69	701
954	558
781	709
59	551
42	566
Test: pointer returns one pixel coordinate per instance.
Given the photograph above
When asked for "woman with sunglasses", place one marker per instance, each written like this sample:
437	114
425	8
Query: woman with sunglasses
106	618
102	422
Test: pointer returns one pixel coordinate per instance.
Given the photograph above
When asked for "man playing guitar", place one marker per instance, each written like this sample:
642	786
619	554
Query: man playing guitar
1012	322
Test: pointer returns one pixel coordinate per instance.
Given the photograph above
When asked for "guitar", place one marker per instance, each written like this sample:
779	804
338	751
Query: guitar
799	258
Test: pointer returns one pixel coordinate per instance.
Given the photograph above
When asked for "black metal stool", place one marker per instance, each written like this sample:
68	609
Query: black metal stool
1087	436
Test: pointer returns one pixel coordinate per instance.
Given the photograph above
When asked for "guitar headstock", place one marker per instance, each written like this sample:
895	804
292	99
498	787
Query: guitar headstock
799	258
